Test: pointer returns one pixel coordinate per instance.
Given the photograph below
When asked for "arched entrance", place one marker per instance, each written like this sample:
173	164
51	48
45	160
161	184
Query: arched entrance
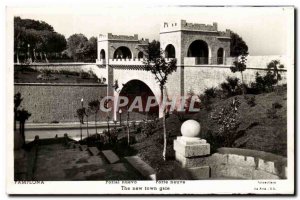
102	54
138	92
220	56
199	50
122	53
140	55
170	51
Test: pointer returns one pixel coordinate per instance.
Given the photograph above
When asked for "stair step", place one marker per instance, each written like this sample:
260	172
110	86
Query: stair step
93	150
110	156
83	147
145	170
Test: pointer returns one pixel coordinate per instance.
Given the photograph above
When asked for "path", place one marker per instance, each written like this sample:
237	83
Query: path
56	162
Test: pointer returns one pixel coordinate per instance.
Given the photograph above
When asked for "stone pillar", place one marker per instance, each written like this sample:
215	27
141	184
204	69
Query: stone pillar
190	150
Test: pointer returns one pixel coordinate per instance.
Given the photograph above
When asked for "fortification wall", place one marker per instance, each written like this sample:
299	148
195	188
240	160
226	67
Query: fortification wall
199	78
245	164
57	102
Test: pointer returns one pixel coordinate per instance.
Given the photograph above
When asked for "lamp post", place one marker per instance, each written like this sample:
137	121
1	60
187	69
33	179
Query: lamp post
120	115
128	130
18	49
81	120
28	52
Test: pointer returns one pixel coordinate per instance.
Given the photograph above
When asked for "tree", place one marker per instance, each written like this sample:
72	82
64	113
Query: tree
33	38
76	46
153	50
17	102
90	52
95	107
237	45
161	69
240	66
275	66
80	114
22	116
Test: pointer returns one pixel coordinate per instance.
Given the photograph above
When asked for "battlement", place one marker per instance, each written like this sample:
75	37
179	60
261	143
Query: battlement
183	25
110	36
225	34
199	27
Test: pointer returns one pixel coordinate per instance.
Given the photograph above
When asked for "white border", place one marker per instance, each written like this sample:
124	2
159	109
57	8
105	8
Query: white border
99	187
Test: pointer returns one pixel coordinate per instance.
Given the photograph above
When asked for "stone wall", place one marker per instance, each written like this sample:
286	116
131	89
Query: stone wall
199	78
245	167
232	163
57	102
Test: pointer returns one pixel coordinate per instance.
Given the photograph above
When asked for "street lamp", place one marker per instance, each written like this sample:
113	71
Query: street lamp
81	119
120	114
28	45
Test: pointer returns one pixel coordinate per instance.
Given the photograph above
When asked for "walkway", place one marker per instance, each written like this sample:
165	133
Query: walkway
56	162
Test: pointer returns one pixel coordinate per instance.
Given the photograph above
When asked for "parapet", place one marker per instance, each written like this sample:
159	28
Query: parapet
182	25
110	36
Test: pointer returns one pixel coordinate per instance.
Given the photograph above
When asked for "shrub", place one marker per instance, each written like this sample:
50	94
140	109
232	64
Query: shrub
206	97
228	121
276	105
250	100
205	102
24	69
210	92
68	73
264	83
84	75
231	87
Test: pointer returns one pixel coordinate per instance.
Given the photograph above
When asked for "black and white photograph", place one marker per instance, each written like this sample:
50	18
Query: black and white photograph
150	100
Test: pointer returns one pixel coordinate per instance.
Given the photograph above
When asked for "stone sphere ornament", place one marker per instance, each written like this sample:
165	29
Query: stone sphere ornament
190	128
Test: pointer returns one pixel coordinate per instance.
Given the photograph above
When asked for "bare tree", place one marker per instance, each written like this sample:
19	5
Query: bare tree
161	69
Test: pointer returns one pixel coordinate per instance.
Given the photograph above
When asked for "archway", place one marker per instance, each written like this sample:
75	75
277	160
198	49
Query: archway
133	90
102	54
220	56
199	50
170	51
123	53
140	55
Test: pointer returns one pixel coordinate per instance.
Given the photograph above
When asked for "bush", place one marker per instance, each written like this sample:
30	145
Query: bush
263	84
228	122
68	73
206	97
210	92
276	105
84	75
205	102
231	87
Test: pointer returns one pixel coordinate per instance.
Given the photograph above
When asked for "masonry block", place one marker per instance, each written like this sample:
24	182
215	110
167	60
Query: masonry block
190	162
260	174
241	160
202	172
199	149
267	166
231	171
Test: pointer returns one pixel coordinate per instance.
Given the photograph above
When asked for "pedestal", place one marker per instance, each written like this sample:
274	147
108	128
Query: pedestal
189	151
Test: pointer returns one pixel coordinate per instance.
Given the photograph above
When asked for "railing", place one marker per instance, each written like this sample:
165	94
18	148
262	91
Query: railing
128	61
201	60
100	61
204	61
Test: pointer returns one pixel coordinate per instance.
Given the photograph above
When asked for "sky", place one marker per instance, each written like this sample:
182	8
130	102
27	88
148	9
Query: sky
266	30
